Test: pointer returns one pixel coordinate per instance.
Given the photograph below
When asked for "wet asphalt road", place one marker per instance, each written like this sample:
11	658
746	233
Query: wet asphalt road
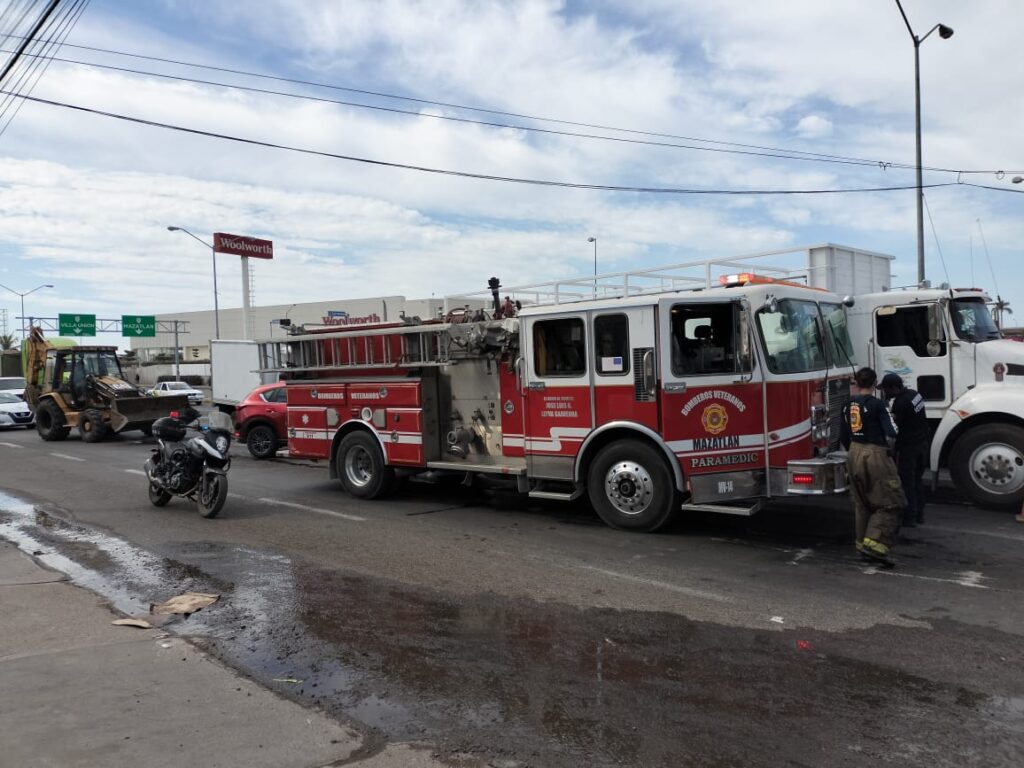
509	633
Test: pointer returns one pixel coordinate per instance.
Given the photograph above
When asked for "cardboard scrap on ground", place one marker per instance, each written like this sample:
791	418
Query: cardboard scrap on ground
188	603
161	613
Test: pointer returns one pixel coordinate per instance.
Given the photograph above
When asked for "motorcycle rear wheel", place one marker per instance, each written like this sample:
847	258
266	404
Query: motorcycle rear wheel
211	500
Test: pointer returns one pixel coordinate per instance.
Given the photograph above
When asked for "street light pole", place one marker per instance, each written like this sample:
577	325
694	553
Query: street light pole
22	296
945	33
594	241
213	253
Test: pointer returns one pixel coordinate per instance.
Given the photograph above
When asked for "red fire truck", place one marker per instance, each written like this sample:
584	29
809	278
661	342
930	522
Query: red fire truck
649	403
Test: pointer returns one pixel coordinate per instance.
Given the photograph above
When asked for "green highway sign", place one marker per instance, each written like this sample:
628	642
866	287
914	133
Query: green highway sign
77	325
138	326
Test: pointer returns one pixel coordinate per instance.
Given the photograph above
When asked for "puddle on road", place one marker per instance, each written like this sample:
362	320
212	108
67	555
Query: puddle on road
536	683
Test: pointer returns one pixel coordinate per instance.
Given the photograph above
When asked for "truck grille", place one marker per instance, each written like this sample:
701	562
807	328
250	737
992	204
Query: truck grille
838	395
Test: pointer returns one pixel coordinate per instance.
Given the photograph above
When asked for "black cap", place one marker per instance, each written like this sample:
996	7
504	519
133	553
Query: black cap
893	380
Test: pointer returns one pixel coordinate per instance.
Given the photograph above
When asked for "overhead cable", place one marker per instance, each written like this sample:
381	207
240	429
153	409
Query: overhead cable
482	176
752	149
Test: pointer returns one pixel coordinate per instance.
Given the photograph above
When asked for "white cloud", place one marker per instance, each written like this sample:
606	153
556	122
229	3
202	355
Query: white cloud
814	127
84	199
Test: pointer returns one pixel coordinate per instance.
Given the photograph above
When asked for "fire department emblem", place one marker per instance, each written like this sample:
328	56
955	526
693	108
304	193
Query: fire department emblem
715	419
312	393
383	393
509	407
305	418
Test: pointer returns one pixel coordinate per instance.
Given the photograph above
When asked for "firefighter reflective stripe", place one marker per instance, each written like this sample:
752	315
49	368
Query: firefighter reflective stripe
726	443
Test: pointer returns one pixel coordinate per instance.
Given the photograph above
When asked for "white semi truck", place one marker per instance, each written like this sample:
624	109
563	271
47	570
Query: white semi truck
944	343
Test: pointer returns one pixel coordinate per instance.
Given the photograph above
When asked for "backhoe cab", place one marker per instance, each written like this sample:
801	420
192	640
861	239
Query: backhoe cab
83	387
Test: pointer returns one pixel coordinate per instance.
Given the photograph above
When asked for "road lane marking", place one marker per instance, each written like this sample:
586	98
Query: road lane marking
800	555
65	456
690	591
135	472
964	578
11	445
318	510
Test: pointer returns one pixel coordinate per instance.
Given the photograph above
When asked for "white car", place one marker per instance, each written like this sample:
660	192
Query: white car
15	412
195	397
13	385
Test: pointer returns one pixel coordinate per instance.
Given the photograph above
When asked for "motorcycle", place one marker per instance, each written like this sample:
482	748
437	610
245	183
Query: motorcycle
193	467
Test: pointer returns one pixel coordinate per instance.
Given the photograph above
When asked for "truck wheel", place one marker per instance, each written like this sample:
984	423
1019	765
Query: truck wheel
50	422
91	426
987	465
631	487
261	441
361	467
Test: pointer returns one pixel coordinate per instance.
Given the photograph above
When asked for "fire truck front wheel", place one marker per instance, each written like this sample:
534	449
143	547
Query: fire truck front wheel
631	488
361	467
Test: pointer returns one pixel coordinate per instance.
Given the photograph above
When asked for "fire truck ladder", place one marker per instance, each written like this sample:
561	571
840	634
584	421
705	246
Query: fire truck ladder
418	346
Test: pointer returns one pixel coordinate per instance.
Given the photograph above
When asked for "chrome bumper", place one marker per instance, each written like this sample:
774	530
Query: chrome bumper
817	477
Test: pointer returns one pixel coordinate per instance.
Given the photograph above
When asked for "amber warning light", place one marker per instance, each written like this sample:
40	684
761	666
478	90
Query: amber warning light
741	279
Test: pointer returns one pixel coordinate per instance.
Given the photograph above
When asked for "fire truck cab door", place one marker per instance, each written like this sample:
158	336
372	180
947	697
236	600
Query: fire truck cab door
712	396
557	392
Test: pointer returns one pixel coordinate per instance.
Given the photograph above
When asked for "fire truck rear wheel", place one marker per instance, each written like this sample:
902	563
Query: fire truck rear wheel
630	486
361	467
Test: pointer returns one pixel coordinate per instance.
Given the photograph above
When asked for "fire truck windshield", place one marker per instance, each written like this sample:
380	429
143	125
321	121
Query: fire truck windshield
792	337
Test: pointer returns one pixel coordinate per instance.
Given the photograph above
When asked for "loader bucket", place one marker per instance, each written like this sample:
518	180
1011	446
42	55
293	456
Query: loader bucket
139	412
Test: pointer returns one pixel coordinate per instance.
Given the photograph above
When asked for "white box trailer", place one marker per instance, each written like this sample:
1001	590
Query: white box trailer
234	369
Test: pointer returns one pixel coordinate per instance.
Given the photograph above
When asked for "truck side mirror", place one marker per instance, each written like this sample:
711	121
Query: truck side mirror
935	332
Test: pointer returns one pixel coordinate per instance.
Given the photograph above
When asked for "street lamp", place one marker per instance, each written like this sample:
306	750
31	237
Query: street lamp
594	241
216	307
23	295
945	33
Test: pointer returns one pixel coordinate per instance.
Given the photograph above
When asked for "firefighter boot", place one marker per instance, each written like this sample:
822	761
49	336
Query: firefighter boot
876	551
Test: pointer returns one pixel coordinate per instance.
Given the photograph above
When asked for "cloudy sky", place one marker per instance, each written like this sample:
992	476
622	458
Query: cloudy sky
85	200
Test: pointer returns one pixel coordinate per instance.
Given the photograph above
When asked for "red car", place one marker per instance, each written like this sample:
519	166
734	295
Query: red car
261	420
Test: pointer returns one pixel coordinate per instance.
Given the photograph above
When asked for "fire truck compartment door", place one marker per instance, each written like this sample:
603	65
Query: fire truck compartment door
558	392
712	396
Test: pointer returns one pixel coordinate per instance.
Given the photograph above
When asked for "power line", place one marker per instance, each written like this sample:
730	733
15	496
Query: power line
58	29
27	40
469	175
744	149
490	124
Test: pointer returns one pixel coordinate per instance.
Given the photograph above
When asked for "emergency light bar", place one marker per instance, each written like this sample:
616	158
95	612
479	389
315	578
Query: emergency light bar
741	279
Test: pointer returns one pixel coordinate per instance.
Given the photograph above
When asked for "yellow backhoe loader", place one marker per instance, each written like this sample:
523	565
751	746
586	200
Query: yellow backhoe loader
72	386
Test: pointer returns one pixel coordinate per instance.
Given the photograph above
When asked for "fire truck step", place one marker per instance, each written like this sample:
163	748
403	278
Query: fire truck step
557	495
466	466
724	509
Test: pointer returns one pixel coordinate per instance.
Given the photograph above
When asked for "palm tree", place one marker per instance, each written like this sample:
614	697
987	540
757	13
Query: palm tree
999	306
8	341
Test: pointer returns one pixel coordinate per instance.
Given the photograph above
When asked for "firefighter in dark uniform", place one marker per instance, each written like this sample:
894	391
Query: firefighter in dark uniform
912	442
878	499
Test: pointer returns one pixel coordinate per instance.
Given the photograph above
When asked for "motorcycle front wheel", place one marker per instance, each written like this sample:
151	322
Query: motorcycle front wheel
158	497
212	495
